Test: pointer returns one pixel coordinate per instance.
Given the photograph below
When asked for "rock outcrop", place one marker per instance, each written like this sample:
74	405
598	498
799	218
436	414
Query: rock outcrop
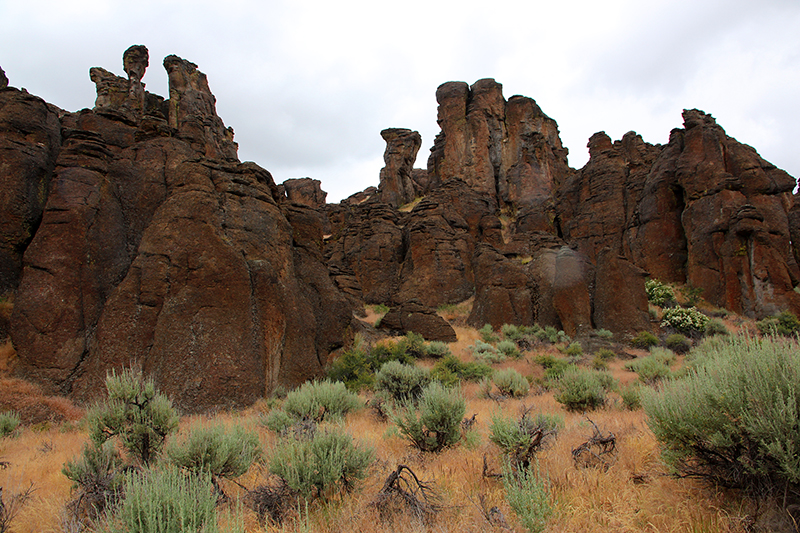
396	184
413	316
158	248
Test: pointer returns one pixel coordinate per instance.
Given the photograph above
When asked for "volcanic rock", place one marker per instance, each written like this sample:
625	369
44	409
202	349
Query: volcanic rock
412	315
304	191
396	185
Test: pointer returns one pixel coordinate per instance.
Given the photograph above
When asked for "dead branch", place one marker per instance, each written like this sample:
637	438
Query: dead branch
598	451
404	491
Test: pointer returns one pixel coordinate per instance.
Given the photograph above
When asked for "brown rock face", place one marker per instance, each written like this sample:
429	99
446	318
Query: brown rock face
414	316
620	301
508	151
396	186
304	191
158	248
30	139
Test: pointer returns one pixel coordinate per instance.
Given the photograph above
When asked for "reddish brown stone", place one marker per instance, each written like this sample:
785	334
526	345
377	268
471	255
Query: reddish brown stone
412	315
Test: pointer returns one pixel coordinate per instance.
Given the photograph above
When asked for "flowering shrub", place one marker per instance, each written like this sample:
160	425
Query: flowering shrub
658	293
685	320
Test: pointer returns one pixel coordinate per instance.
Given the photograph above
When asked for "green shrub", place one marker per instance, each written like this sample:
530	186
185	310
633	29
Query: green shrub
509	349
278	420
526	492
553	336
678	343
519	440
579	389
604	334
650	369
9	422
222	452
511	383
166	501
320	400
685	320
573	350
631	397
380	309
734	418
511	332
658	293
134	412
450	370
321	466
434	422
412	345
785	324
97	474
554	367
716	326
487	334
601	358
402	382
353	368
487	353
438	350
644	340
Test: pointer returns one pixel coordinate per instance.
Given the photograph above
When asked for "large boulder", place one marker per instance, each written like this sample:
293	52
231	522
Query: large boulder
413	316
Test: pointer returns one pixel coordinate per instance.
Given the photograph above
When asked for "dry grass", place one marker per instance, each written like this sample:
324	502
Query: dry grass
634	494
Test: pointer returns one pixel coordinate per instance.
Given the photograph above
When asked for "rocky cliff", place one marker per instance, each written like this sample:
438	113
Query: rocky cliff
133	235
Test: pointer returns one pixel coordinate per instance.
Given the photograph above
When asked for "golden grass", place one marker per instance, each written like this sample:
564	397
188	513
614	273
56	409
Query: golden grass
634	494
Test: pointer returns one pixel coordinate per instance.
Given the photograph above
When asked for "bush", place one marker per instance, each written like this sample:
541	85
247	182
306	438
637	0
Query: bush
508	349
134	412
278	420
320	400
353	368
579	389
520	439
650	369
644	340
785	324
658	293
511	383
9	422
438	350
526	492
435	422
734	418
487	353
604	334
97	474
412	345
450	370
320	466
166	501
573	350
488	334
601	358
511	332
716	326
402	382
631	397
685	320
678	343
220	451
553	366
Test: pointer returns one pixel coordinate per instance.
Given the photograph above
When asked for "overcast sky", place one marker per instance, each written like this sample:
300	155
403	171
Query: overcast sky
309	85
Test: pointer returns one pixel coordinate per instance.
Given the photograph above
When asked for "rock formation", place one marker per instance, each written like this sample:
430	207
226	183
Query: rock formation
132	235
158	248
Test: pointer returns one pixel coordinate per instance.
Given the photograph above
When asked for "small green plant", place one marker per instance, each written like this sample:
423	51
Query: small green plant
658	293
579	389
97	474
402	382
526	492
510	383
450	370
554	367
509	349
785	323
684	320
434	423
438	350
511	332
134	412
678	343
278	420
412	345
520	439
604	334
166	501
650	369
321	466
488	334
9	422
631	397
353	368
380	309
222	452
486	352
320	400
573	350
601	358
716	326
644	340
